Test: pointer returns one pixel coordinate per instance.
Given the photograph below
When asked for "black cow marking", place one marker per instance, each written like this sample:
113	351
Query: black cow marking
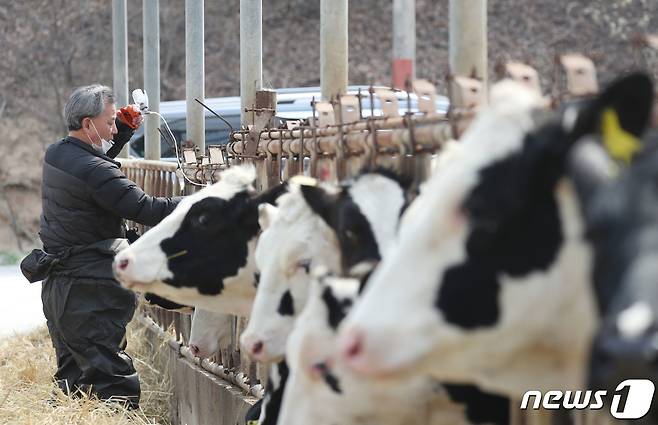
215	234
256	279
286	305
515	228
163	302
274	396
340	212
306	265
336	309
480	407
329	378
363	281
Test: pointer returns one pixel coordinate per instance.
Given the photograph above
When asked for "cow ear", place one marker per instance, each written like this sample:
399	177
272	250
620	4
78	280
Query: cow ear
266	215
319	201
620	115
271	195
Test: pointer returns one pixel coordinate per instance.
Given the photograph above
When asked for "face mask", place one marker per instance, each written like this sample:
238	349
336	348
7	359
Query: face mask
105	145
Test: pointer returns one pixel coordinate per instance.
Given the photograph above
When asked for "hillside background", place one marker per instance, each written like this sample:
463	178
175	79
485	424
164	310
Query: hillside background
51	46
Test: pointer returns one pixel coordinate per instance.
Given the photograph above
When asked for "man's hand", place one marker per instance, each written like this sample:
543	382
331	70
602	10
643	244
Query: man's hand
130	116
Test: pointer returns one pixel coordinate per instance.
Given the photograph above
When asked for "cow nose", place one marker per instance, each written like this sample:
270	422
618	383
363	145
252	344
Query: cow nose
194	350
123	264
352	346
257	348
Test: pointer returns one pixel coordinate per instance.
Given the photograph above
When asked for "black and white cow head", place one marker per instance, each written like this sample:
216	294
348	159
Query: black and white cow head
316	225
202	253
364	215
491	282
327	393
209	332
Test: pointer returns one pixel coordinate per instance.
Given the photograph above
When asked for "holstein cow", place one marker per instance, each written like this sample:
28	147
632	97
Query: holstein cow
209	331
624	228
326	393
496	261
294	239
341	228
202	253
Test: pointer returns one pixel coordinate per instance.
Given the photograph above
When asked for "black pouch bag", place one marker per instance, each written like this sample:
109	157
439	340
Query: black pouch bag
38	264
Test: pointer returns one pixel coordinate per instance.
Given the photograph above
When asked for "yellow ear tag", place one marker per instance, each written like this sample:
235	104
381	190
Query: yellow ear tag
304	180
620	144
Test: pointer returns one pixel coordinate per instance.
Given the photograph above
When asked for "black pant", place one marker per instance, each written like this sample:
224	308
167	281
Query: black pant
87	321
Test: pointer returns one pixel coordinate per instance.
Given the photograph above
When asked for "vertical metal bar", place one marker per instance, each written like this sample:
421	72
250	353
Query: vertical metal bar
194	72
468	38
120	57
151	24
333	48
404	42
251	55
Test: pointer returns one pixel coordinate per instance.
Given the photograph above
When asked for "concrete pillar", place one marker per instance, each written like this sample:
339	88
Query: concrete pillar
251	55
404	42
468	37
333	47
151	24
120	57
194	72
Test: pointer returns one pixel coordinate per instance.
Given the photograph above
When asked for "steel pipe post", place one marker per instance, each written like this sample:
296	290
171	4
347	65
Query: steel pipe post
404	42
151	24
333	47
194	72
120	57
251	55
468	38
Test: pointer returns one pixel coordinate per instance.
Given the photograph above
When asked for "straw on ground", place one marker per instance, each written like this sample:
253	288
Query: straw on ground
29	397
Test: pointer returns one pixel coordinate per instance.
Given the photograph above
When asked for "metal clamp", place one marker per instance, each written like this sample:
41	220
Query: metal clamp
313	166
388	102
426	93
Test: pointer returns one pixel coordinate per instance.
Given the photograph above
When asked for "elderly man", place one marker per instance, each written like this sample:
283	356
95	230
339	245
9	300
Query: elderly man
85	199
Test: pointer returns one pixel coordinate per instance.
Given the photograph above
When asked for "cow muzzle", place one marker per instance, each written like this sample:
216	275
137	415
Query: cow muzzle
125	270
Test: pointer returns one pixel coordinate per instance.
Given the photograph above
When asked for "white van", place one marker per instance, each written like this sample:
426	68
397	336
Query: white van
292	103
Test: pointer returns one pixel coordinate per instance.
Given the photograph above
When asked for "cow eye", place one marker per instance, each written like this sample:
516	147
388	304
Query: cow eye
201	220
350	236
305	264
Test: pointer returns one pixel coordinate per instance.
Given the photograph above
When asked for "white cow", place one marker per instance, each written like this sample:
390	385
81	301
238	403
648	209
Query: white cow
496	260
311	226
323	392
210	330
202	254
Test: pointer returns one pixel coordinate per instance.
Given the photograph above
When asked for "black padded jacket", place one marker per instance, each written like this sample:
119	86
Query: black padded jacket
85	196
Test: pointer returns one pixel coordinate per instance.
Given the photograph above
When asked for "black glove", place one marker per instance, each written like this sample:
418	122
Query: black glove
124	133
